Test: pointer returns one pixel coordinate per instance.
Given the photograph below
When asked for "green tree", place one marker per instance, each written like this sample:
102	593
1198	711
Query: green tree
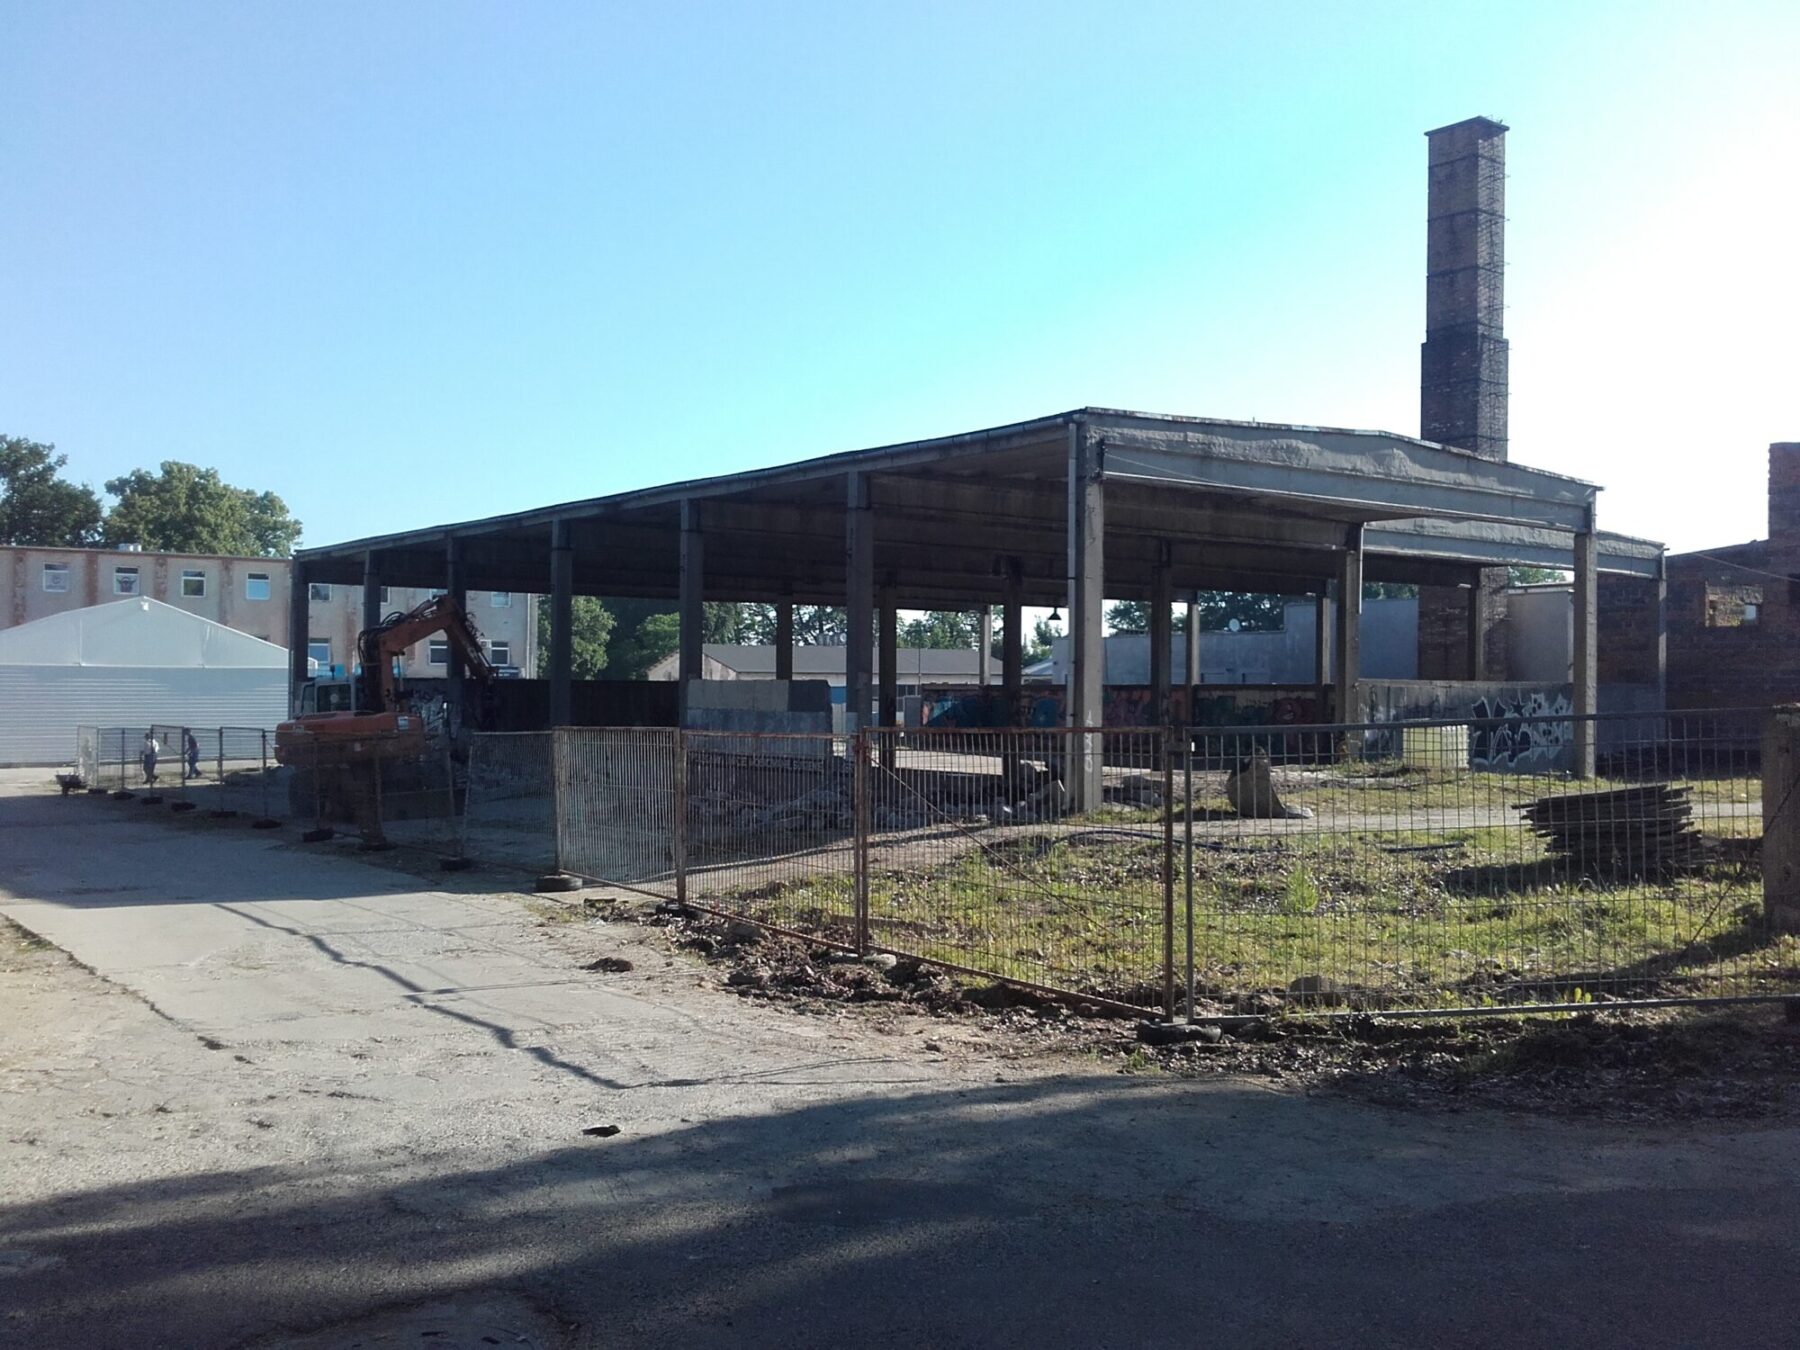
186	509
940	629
1254	613
645	631
1389	590
814	625
590	626
37	507
1535	576
1043	632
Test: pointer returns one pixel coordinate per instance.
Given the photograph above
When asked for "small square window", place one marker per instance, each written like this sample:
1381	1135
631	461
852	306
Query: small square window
318	591
56	577
500	653
193	584
125	581
384	594
500	599
256	586
319	650
1751	610
437	652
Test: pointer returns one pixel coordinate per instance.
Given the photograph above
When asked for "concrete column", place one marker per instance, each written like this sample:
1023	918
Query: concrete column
454	674
1586	671
562	619
1162	637
691	661
299	632
1012	644
1192	657
859	600
984	647
1087	676
370	684
1475	656
1322	640
371	588
1662	630
784	640
1346	660
1781	818
887	670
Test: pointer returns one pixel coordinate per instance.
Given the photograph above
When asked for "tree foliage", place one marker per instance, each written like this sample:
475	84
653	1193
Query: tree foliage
183	508
940	629
645	631
37	507
1254	613
814	625
590	628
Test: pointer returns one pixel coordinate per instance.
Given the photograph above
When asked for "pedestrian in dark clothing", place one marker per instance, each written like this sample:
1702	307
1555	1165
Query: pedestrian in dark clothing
192	748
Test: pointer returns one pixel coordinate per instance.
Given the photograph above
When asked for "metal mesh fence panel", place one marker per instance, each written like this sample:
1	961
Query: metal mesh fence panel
1459	864
976	856
509	800
414	799
769	829
618	819
87	756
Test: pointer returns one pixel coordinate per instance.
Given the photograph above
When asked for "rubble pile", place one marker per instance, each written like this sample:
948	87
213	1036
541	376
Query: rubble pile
1635	830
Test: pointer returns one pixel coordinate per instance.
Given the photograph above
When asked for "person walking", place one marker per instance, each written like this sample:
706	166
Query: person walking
149	758
191	748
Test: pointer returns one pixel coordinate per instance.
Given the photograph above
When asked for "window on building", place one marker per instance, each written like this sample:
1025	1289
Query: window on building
500	653
437	652
1732	606
193	583
256	586
125	581
319	649
435	592
318	591
56	577
500	599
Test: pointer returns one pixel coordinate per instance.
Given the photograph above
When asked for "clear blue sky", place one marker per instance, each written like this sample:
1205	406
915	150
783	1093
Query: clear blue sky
405	264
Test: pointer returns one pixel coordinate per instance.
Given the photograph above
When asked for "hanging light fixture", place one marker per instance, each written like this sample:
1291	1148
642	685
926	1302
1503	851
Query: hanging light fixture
1055	615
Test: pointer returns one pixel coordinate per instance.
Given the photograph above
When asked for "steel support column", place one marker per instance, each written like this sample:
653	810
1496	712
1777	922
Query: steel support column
859	600
1475	658
691	662
1012	644
299	633
562	618
1162	637
455	677
1586	671
984	648
1191	657
1346	662
887	669
1087	677
784	641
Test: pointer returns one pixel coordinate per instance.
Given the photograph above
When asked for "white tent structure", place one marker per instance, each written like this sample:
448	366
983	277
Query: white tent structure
130	663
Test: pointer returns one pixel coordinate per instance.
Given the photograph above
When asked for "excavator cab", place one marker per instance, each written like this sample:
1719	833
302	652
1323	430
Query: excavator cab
327	696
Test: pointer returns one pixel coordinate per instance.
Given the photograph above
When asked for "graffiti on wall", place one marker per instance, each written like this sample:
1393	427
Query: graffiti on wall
1530	732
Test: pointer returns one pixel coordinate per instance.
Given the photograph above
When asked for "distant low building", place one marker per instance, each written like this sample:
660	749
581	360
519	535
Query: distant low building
913	666
249	595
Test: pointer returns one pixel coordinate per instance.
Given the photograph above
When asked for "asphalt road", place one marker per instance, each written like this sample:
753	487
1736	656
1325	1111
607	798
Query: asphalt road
288	1098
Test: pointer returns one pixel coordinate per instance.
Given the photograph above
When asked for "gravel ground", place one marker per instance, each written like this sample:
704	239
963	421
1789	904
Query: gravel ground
256	1095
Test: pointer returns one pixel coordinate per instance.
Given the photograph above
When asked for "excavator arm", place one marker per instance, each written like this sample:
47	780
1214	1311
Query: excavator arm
378	646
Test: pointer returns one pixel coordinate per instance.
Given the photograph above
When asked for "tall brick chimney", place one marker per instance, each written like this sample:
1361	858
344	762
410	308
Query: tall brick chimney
1462	386
1462	372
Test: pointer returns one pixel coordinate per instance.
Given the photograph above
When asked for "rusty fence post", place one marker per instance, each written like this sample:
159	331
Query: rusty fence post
859	806
1168	871
1781	818
678	845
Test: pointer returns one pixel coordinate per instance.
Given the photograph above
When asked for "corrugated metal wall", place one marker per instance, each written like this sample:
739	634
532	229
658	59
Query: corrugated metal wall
40	706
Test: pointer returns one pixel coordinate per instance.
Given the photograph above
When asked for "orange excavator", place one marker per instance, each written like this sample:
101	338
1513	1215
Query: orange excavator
361	718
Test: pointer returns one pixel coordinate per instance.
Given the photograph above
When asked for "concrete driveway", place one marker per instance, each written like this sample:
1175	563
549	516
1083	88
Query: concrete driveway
289	1098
